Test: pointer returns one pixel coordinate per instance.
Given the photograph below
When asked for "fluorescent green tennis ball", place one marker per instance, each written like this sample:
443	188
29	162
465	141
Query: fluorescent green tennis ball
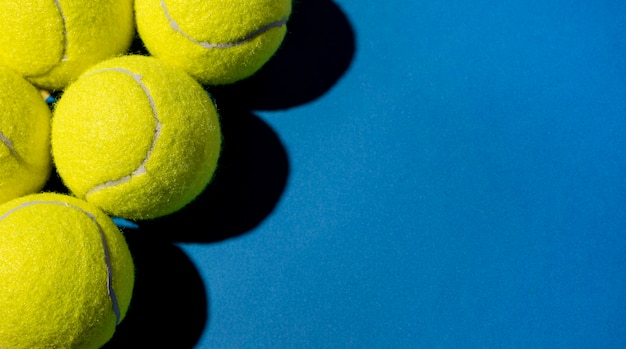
25	161
67	274
50	42
216	41
136	137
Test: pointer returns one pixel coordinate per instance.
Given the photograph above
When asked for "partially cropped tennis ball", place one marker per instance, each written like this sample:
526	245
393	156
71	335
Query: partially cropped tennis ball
67	274
50	42
136	137
216	41
25	161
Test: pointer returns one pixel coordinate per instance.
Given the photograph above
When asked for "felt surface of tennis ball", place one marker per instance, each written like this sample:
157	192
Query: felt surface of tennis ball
136	137
50	42
25	161
67	274
215	41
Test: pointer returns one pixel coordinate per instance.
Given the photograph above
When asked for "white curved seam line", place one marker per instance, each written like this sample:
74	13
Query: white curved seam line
9	144
64	56
105	246
63	21
248	37
142	167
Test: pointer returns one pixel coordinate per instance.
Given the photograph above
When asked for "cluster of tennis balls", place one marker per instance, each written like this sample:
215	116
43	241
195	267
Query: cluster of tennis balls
131	136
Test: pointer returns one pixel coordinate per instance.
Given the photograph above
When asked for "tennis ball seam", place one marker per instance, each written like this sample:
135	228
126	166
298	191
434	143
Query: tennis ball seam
105	247
9	144
64	23
142	167
208	45
64	56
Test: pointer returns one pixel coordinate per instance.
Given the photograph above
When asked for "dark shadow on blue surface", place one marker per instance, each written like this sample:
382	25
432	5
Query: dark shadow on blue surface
250	178
316	53
169	308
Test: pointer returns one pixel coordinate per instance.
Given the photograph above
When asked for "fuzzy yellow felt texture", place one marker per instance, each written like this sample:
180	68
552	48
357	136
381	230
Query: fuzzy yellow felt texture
50	42
67	274
136	137
25	161
216	41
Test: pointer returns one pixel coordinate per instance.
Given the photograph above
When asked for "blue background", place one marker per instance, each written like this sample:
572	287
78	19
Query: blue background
423	174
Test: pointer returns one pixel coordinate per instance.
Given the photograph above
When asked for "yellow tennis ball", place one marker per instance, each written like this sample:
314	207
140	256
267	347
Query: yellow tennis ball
67	274
215	41
25	161
136	137
50	42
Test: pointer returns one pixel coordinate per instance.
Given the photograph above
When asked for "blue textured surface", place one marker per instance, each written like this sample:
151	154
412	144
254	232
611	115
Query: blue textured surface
462	184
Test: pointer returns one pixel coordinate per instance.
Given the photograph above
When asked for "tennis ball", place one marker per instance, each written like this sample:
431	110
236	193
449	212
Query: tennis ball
136	137
216	41
25	161
50	42
67	274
